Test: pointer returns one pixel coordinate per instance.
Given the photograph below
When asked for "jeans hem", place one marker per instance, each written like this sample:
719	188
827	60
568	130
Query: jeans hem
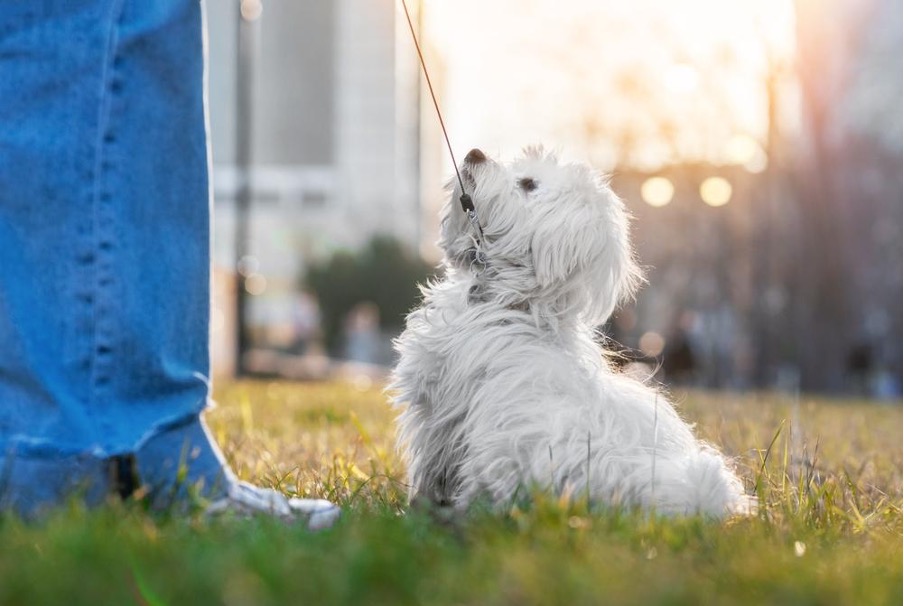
22	447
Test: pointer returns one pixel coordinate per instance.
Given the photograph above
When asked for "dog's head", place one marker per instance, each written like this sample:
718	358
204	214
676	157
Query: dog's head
555	233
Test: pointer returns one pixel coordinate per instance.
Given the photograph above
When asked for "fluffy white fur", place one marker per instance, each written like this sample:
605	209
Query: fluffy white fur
503	386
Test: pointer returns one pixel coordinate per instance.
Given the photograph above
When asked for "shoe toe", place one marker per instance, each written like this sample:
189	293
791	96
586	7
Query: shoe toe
320	513
247	499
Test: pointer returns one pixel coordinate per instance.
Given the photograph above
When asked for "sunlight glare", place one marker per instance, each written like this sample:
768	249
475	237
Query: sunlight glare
682	78
747	152
644	84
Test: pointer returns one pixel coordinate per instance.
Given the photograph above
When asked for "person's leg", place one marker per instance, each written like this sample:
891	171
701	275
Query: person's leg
104	250
104	225
153	246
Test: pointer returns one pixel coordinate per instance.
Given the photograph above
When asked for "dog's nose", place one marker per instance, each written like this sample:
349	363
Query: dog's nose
475	156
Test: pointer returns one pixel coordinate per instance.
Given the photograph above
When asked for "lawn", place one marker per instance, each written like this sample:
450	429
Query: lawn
828	475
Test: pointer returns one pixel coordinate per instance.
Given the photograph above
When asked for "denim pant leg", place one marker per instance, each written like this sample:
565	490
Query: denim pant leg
104	243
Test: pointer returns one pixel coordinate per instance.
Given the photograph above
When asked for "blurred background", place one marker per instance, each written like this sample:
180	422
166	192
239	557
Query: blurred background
758	143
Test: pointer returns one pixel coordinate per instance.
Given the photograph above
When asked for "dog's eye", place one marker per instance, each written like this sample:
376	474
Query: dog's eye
527	184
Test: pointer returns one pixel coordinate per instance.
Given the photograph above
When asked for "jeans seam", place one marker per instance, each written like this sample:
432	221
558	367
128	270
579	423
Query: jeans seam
102	228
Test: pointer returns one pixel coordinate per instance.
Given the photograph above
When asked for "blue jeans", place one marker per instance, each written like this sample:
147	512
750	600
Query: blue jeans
104	247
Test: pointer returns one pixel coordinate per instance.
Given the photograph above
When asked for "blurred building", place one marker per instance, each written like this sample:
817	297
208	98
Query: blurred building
848	183
334	143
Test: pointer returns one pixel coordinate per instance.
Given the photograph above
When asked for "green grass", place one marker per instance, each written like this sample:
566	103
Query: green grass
828	475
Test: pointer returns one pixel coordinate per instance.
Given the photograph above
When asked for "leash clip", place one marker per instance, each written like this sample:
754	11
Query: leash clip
472	219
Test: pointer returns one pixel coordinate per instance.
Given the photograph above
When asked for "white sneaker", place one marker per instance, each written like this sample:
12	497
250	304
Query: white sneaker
247	500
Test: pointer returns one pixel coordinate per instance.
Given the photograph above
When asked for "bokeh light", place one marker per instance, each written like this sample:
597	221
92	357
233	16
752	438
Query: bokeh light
251	9
248	265
652	343
715	191
255	284
657	191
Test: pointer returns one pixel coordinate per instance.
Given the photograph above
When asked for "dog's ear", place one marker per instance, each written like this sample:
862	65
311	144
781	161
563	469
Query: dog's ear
578	248
561	245
616	278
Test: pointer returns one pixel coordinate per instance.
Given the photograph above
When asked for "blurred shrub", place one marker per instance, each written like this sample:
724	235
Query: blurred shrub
385	272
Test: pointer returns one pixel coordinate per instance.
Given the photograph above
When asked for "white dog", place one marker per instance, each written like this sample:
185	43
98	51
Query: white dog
503	385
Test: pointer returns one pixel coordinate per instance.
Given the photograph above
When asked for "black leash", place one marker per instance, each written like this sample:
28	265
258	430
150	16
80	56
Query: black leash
467	204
